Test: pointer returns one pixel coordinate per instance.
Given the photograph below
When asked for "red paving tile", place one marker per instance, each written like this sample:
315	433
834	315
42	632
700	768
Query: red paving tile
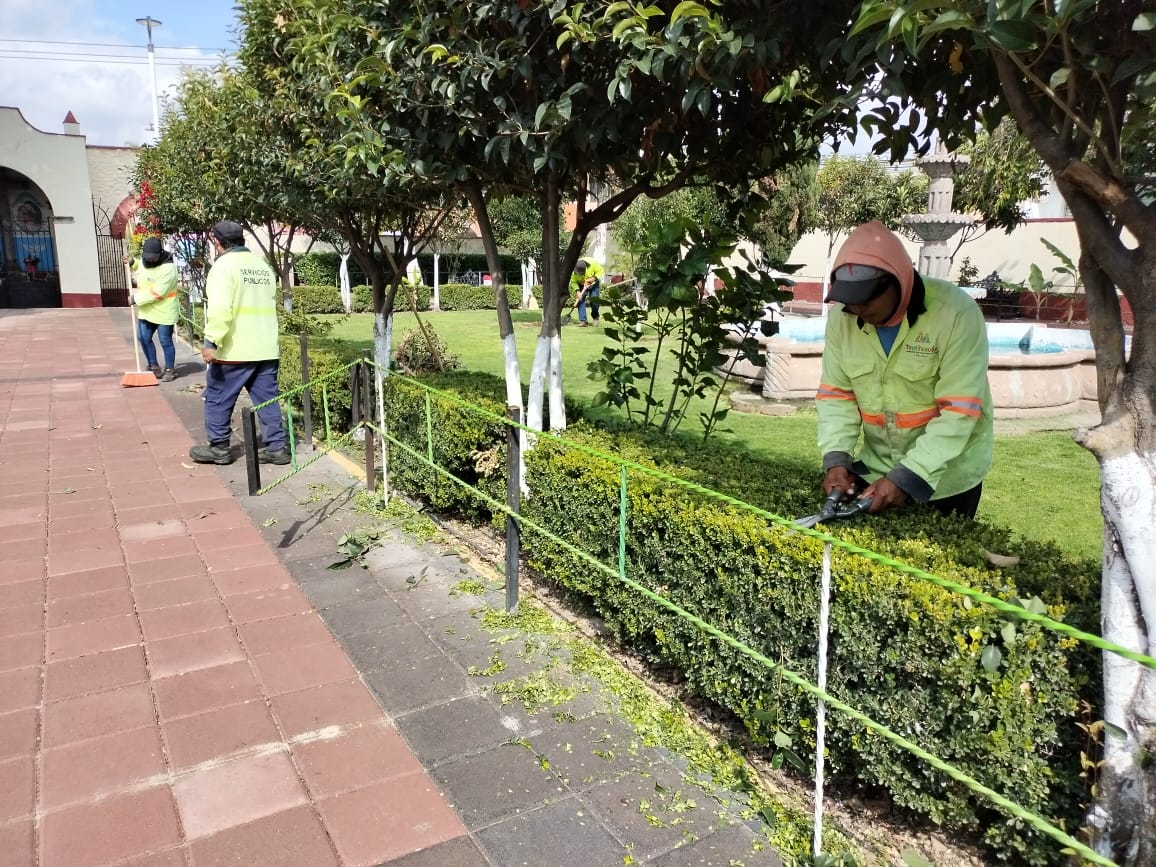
159	549
240	558
21	619
17	788
111	830
16	844
175	620
180	591
389	819
83	771
251	579
193	652
18	731
303	667
170	568
98	714
209	539
95	636
219	733
84	559
207	689
95	673
225	796
355	758
21	651
83	583
94	606
22	593
284	633
20	689
18	571
266	604
288	839
337	704
26	549
16	532
81	540
159	529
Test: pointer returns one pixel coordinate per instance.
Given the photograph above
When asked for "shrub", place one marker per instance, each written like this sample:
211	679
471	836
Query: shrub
321	268
317	299
423	351
325	357
907	653
363	298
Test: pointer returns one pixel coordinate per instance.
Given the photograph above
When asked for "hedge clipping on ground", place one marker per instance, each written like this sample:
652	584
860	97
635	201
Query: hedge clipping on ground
907	653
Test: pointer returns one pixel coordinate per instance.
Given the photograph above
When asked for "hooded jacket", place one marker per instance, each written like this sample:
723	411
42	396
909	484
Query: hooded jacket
924	411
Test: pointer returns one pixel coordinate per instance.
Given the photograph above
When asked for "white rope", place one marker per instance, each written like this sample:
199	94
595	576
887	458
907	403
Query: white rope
821	710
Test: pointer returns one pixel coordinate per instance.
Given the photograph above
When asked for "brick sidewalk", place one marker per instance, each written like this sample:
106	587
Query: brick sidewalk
168	696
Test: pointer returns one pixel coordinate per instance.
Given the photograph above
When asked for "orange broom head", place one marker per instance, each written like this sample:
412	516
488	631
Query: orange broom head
134	379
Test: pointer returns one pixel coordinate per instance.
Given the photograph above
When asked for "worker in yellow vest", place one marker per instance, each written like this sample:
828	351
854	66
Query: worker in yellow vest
240	347
158	306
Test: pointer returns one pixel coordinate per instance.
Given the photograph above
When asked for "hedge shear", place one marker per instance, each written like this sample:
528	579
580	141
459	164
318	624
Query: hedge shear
835	506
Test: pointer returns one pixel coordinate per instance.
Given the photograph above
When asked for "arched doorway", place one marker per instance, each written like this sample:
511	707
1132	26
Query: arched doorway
29	263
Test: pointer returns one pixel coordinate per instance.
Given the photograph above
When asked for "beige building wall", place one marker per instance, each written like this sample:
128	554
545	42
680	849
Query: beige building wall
109	172
56	163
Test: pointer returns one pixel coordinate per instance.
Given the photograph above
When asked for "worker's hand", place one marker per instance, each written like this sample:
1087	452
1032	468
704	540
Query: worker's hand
209	355
590	281
125	259
884	494
839	479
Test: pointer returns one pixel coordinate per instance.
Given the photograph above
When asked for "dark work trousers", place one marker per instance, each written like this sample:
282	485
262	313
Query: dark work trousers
223	384
590	296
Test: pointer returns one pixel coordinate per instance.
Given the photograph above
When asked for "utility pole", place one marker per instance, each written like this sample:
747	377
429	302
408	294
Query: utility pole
149	23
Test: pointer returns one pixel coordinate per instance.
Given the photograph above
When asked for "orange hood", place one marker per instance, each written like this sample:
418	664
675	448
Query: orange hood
876	245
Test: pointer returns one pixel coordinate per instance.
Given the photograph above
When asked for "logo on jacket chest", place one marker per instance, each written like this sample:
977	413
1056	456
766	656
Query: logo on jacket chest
921	346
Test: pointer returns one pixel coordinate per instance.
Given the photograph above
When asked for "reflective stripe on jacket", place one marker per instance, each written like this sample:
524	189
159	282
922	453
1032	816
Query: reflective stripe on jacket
241	293
924	410
156	296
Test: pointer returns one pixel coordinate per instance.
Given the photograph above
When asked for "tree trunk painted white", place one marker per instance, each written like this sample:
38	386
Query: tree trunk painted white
343	284
382	357
1128	611
535	405
557	405
436	302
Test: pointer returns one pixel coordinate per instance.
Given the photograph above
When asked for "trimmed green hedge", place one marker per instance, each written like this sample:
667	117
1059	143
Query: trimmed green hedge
325	356
453	296
905	652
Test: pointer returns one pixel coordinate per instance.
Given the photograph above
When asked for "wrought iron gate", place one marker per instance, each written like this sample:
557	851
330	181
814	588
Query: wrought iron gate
114	288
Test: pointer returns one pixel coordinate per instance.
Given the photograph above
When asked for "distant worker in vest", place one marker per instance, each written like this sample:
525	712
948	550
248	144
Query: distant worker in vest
587	282
240	347
904	366
158	306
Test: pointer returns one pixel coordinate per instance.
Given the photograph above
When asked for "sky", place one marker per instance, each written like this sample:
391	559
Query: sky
90	57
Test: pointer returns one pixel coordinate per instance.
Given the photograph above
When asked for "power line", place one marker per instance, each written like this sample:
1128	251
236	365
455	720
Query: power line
115	45
8	54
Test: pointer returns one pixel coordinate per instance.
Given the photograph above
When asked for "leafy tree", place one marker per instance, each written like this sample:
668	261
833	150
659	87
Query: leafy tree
1079	79
792	210
1003	172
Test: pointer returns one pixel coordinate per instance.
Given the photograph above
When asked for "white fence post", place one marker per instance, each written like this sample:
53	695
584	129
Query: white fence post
821	710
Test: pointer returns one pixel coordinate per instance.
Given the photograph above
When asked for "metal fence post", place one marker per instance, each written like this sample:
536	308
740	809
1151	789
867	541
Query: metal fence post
821	708
252	462
306	395
514	501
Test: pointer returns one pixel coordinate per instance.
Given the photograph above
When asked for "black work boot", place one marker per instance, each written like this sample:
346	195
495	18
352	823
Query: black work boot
213	453
280	457
169	375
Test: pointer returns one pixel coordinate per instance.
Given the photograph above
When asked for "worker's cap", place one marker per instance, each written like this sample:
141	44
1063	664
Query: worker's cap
857	284
580	267
230	234
151	250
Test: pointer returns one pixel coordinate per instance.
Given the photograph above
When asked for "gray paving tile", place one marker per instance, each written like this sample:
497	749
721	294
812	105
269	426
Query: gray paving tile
564	833
326	588
416	683
459	727
459	852
388	646
428	594
496	784
363	615
592	752
736	846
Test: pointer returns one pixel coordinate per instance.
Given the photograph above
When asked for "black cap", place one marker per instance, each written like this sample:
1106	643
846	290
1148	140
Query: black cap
230	234
151	250
858	284
580	267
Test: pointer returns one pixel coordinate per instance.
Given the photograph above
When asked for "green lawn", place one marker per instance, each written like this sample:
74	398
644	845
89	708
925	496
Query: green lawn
1043	486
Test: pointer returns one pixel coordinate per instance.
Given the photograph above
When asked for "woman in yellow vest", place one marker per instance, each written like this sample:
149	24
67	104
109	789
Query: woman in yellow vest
157	304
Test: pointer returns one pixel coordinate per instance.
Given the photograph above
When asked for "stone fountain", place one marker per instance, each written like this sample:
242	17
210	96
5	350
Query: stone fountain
936	227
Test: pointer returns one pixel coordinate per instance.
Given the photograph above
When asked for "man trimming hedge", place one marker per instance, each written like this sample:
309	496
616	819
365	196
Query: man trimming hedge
905	365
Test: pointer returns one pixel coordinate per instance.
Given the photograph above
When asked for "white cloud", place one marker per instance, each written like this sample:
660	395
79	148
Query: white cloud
111	101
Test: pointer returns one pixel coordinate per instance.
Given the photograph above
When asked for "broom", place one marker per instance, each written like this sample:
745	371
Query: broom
138	377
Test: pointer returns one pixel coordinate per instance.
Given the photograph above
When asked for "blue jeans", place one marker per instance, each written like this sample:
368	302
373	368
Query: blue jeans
223	384
590	294
144	333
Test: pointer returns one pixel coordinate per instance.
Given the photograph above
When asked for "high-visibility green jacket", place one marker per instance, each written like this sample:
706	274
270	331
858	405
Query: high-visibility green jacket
241	294
924	411
594	271
156	297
